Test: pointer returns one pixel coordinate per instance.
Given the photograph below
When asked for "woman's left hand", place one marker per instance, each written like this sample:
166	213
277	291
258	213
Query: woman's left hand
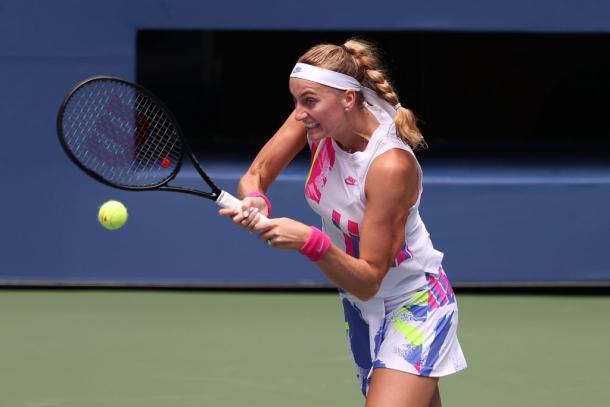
283	233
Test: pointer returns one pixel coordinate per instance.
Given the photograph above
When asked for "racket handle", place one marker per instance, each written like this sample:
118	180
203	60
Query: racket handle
226	200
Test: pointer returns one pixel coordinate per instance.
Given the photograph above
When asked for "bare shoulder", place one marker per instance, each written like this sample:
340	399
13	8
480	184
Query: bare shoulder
395	161
394	165
394	172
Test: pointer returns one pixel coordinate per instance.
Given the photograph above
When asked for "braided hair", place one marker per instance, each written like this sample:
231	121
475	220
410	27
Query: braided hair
359	59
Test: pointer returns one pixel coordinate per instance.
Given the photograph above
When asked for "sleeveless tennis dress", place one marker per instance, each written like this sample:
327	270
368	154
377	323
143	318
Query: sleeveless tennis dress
411	323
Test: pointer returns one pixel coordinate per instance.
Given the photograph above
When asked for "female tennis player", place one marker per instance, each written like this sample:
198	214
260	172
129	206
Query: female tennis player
365	183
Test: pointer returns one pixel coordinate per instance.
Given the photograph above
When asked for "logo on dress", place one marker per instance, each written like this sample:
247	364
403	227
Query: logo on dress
351	181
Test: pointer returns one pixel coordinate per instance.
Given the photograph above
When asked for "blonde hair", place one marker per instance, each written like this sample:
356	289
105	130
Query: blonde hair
359	59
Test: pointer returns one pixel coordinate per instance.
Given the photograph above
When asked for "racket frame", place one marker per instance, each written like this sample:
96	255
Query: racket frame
215	193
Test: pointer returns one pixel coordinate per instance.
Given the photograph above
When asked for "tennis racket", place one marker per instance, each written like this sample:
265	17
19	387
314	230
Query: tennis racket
123	136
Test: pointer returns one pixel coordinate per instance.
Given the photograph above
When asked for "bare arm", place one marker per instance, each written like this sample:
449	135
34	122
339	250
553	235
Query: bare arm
391	189
273	157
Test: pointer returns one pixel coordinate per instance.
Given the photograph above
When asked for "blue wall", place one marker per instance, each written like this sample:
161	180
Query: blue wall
495	224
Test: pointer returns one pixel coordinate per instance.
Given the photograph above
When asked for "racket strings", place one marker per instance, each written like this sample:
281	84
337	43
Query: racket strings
164	130
121	134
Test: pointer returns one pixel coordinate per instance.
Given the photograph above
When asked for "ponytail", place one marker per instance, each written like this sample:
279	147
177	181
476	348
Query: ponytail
373	76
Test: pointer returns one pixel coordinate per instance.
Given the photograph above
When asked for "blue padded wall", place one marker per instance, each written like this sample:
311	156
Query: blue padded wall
496	225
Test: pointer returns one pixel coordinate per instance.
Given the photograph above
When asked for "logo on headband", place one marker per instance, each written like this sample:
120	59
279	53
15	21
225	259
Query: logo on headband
297	69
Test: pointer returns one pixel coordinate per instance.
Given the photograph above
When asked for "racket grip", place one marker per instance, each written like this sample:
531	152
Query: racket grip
226	200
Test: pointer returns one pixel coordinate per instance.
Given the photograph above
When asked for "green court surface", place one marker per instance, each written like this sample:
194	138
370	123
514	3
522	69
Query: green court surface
118	348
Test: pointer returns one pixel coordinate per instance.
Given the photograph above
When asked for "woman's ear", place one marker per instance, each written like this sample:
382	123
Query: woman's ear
349	99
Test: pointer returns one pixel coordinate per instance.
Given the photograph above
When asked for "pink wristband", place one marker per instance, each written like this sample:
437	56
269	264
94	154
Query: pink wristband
316	246
267	201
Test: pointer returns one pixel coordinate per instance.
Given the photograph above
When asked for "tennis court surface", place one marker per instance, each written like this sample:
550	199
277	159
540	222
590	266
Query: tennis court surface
136	348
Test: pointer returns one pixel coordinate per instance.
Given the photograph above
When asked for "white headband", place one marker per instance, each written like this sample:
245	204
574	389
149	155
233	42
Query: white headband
341	81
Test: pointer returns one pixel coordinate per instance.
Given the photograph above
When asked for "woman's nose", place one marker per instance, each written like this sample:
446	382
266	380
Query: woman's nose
299	113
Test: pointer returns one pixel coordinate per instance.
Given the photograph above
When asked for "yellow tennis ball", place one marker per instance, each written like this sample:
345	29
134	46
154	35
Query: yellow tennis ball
112	215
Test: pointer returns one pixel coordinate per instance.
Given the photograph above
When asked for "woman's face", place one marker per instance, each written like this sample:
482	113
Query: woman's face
320	108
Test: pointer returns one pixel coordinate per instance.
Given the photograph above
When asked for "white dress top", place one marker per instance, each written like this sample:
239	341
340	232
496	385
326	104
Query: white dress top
335	190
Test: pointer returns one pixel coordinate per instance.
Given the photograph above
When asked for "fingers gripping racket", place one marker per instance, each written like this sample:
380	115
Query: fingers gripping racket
125	137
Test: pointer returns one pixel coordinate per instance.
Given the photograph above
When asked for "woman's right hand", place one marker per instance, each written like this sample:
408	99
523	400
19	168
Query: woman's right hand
248	215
